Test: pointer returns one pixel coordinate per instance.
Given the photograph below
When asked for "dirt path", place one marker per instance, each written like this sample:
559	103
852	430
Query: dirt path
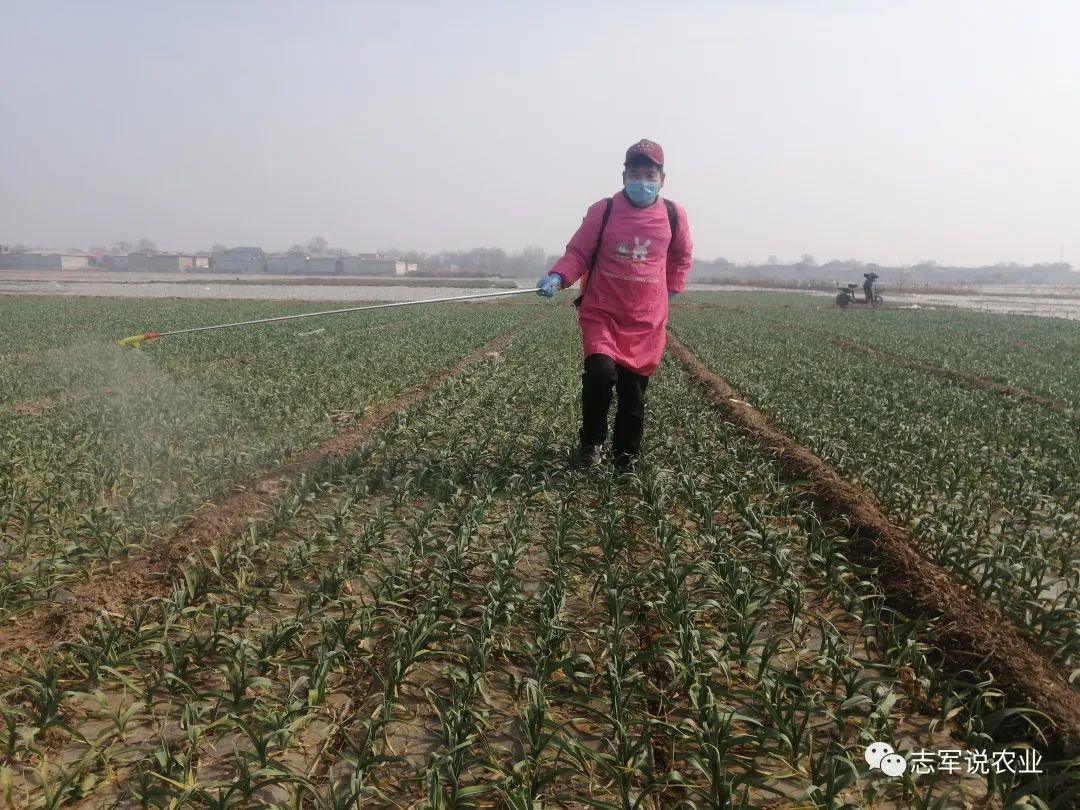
973	635
145	574
31	407
957	375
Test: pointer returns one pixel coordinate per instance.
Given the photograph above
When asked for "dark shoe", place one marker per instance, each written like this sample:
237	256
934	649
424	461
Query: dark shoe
625	464
590	455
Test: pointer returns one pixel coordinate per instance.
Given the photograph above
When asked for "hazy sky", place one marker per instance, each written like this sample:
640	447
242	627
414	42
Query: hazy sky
887	131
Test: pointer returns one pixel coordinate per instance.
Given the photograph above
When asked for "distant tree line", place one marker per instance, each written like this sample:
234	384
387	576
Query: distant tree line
533	261
807	272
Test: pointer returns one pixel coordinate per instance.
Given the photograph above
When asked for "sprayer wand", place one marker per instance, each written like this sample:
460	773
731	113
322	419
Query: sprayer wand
135	341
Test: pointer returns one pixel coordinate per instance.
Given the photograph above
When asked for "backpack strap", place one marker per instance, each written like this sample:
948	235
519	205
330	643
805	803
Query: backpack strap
673	220
596	252
603	225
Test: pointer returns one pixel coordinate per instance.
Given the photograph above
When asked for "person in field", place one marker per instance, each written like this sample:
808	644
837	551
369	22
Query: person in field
632	255
868	286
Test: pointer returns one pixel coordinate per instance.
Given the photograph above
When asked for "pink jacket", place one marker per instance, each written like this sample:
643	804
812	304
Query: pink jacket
625	310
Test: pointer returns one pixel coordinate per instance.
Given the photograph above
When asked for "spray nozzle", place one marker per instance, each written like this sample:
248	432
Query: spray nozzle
136	341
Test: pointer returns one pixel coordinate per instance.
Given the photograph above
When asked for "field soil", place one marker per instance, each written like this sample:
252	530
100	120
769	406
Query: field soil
971	634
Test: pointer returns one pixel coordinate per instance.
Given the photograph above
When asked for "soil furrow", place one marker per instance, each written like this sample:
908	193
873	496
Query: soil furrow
971	634
957	375
31	407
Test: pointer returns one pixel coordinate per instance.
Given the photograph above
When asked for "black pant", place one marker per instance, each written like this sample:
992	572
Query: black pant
602	374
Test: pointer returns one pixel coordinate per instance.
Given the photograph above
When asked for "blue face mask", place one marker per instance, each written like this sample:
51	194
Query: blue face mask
642	192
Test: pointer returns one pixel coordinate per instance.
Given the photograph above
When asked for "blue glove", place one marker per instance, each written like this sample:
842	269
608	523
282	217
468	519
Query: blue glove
671	295
548	285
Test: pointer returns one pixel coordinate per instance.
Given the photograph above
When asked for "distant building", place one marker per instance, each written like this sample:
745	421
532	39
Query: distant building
171	262
254	260
139	262
287	264
326	265
45	260
239	260
4	249
358	266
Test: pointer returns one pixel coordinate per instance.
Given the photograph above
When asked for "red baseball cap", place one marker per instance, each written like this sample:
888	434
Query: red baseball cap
649	149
